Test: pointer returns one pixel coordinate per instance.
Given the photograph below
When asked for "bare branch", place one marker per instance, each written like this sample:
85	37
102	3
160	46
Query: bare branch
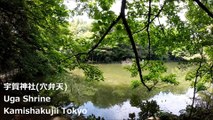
204	8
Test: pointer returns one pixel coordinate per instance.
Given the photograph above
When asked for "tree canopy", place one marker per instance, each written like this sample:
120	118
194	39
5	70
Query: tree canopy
141	24
32	33
37	38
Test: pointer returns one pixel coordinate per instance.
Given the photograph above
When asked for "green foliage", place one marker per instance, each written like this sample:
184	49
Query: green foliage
148	109
132	69
182	38
201	86
155	71
190	75
31	34
91	72
203	108
135	84
117	53
38	40
203	75
135	100
167	116
170	79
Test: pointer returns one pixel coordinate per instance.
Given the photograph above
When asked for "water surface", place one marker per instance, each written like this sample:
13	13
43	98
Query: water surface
167	101
114	98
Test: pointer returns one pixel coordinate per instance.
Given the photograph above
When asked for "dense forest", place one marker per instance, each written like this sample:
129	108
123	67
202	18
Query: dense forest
44	41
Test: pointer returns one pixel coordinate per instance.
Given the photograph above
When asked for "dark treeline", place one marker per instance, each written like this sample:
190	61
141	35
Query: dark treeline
123	52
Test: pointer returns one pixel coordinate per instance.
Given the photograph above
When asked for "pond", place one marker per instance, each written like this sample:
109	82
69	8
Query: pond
115	99
168	102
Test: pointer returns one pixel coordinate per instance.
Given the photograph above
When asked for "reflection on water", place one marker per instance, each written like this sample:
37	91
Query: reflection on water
167	101
114	99
170	102
115	112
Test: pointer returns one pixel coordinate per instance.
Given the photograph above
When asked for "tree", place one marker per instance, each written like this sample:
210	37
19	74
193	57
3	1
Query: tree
36	39
131	21
31	35
201	32
190	37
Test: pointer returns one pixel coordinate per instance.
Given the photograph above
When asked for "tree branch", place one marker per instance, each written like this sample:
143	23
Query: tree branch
204	8
161	26
195	84
97	44
128	30
211	72
157	15
147	29
102	38
130	35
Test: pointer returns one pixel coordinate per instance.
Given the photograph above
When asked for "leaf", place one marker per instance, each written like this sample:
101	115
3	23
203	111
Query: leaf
201	86
170	79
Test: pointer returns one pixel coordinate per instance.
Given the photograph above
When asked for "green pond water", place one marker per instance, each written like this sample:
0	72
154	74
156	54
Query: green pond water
113	98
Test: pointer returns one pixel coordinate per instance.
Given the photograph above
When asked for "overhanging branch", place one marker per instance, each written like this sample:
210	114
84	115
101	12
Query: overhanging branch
129	32
147	30
204	8
161	26
130	35
157	15
102	38
98	43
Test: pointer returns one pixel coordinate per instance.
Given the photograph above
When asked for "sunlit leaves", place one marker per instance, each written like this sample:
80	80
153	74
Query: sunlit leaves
132	69
170	79
170	35
154	73
201	86
105	4
135	84
203	76
154	67
190	75
91	72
